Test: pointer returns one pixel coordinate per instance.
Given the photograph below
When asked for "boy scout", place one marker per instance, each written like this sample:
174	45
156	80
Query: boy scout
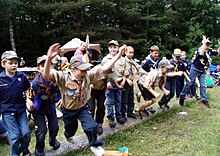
75	89
113	94
132	73
148	82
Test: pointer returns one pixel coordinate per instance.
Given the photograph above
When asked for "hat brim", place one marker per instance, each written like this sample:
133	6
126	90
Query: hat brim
112	44
13	57
169	66
178	55
84	66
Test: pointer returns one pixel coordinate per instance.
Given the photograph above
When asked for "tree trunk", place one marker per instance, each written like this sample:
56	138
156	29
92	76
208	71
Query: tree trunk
11	33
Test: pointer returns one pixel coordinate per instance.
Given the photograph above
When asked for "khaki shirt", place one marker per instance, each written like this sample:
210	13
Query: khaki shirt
75	93
153	79
119	66
133	69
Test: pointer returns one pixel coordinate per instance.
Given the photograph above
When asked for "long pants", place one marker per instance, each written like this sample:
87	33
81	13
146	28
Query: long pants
18	132
41	131
171	86
97	99
70	119
127	105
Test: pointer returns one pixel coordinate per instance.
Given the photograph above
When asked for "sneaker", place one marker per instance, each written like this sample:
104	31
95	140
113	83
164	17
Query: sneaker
138	98
100	129
205	103
131	115
152	110
55	145
111	122
27	153
160	105
181	101
37	153
121	120
166	106
138	113
97	151
145	112
71	139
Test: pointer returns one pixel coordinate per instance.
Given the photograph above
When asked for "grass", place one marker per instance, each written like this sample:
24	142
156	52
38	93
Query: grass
171	134
167	133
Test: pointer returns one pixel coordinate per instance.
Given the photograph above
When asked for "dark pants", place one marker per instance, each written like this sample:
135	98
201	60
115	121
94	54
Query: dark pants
70	119
42	129
127	105
97	97
179	85
170	85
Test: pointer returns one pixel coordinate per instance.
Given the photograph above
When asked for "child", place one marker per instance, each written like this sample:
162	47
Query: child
178	70
150	62
148	82
132	71
198	70
75	89
13	105
45	97
113	94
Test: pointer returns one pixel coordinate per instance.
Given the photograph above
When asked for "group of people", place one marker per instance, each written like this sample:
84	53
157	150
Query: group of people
84	92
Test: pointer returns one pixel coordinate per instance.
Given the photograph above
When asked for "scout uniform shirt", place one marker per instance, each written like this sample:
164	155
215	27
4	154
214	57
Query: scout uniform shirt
132	69
11	92
75	93
119	66
100	84
156	79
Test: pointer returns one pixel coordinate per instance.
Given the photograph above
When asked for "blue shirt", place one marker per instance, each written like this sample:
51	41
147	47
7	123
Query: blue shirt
179	66
150	63
201	61
45	95
12	89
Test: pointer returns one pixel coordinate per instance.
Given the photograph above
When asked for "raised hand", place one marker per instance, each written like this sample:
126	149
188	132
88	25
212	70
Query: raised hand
53	50
122	49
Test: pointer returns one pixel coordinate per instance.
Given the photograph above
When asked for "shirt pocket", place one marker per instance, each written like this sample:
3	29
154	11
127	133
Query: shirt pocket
4	89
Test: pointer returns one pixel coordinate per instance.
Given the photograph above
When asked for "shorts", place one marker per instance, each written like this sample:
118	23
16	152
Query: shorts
147	95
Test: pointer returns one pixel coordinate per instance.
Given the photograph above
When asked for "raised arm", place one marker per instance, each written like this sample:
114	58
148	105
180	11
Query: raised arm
121	52
51	53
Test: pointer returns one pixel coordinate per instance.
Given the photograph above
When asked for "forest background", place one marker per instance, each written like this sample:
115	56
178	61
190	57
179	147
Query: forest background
30	26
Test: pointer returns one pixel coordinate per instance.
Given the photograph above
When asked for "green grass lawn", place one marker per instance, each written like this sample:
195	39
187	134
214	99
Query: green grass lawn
167	133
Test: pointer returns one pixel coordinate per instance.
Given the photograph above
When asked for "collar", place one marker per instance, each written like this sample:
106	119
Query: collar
128	60
3	74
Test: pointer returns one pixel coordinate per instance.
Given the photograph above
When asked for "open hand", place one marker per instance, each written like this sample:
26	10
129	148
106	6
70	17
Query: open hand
53	50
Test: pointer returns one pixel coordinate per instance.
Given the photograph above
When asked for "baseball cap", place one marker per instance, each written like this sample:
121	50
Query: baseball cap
80	62
165	64
113	42
9	55
177	52
41	59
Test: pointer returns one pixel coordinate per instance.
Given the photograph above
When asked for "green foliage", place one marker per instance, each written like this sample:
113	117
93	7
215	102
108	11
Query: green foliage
140	23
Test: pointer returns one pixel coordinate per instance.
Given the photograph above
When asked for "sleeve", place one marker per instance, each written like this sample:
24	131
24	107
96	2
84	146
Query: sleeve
26	83
150	79
145	66
95	74
212	52
60	78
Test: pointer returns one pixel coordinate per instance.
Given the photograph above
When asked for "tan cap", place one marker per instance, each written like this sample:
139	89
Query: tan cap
9	55
113	42
80	62
165	64
41	59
